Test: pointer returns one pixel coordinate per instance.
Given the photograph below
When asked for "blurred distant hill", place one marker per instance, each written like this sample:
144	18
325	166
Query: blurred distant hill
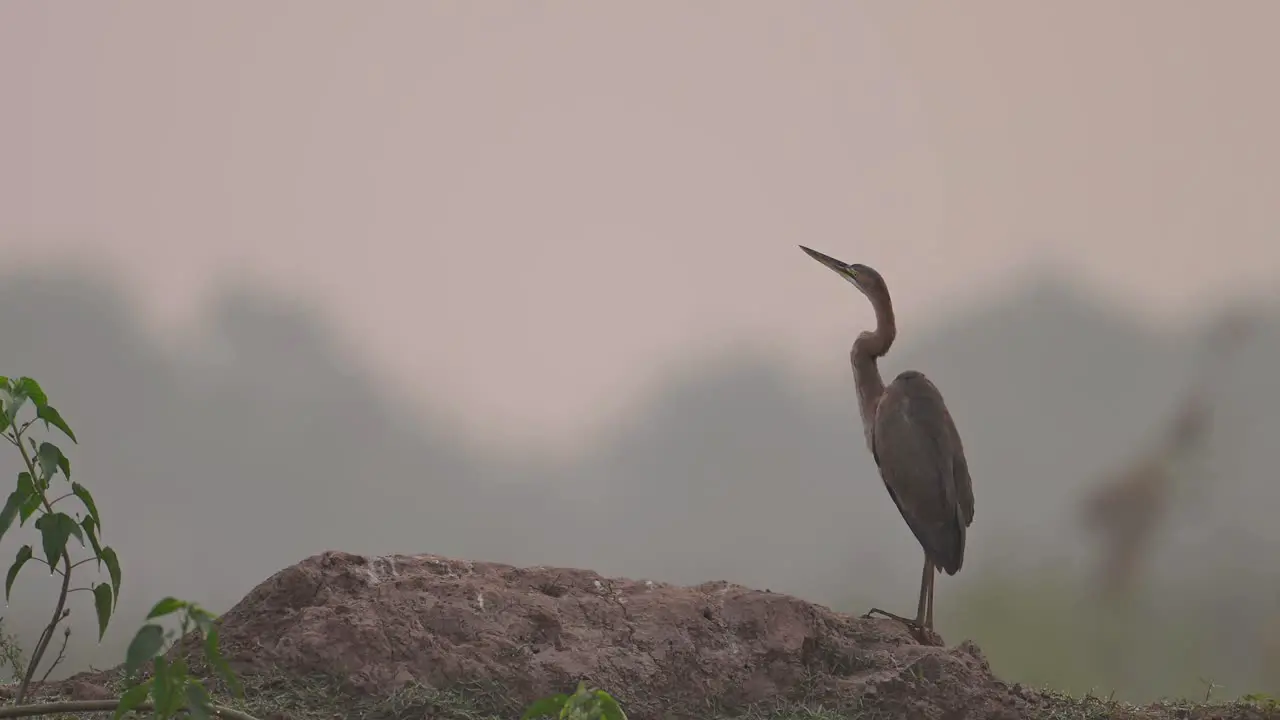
267	440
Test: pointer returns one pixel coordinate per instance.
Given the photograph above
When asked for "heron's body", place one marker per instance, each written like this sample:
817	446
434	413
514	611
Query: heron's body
913	440
917	448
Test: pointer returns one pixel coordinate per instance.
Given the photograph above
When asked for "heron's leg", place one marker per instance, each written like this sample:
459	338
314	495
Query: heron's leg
918	622
925	595
933	576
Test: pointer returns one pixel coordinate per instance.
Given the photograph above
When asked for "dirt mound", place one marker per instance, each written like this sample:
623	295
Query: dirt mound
410	637
665	651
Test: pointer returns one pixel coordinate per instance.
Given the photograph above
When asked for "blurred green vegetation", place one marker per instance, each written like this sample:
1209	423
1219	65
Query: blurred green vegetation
1041	628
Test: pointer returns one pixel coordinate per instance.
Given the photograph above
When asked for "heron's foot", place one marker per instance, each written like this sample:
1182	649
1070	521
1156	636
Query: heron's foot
909	622
922	633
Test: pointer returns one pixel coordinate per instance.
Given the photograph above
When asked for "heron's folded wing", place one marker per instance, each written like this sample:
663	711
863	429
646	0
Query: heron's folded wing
914	446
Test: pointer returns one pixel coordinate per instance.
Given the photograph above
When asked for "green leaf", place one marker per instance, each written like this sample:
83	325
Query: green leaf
546	707
163	688
91	529
11	506
50	416
132	698
171	697
113	568
27	487
584	704
204	619
31	389
179	672
55	529
73	527
165	607
50	452
102	603
51	459
24	554
610	707
9	513
198	701
144	646
220	665
13	404
82	492
29	508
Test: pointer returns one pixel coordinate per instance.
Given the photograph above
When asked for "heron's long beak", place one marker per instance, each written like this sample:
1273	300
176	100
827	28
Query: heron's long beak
842	269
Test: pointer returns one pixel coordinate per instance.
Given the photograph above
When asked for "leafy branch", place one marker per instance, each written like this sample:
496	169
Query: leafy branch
43	462
171	687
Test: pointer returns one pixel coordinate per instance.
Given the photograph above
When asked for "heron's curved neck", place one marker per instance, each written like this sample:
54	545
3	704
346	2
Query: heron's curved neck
867	349
866	376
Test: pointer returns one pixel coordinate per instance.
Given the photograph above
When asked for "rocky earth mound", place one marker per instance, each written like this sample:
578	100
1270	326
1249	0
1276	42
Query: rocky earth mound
662	650
379	624
397	637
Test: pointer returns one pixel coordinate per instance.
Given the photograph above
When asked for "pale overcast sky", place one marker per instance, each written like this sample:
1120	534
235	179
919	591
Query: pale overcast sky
530	209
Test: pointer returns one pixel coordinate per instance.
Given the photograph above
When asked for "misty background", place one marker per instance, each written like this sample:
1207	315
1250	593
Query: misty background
515	283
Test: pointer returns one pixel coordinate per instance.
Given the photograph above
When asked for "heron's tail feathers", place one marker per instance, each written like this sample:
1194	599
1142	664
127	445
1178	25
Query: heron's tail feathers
952	557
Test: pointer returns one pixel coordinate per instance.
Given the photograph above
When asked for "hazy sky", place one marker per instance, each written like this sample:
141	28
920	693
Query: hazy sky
529	209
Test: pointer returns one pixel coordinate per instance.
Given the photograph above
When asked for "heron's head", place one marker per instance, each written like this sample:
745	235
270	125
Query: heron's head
863	277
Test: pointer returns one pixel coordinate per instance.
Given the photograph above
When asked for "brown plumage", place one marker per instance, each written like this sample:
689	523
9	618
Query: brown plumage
917	448
914	442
